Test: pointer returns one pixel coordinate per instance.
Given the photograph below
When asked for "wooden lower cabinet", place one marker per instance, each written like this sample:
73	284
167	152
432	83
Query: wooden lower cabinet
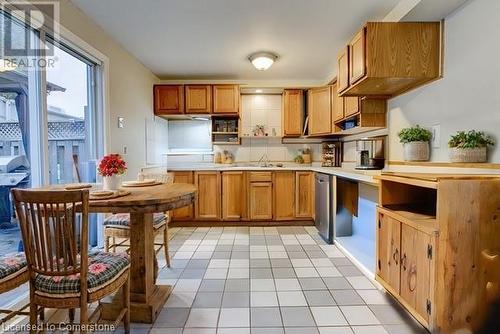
389	250
415	269
185	213
304	194
284	195
234	196
207	206
405	264
261	200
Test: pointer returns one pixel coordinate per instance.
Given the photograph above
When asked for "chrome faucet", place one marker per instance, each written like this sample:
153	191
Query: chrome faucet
264	161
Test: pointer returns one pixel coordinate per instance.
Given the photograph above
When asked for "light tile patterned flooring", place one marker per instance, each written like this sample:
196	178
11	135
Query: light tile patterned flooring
268	280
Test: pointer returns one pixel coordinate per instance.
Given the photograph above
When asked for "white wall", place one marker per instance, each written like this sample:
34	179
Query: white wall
468	96
130	88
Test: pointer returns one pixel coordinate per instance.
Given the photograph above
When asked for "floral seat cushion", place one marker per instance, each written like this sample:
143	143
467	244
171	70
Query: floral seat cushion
103	269
123	220
12	265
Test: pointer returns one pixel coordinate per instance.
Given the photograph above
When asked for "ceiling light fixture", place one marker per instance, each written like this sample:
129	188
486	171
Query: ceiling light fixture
258	91
262	60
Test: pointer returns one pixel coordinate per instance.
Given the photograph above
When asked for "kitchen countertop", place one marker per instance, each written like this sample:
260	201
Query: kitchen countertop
365	176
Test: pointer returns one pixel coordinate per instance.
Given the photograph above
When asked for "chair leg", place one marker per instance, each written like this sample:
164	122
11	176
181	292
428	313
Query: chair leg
33	317
126	304
165	246
71	315
83	315
106	244
41	310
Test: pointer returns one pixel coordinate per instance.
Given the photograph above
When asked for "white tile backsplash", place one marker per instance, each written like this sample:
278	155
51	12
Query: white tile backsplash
256	109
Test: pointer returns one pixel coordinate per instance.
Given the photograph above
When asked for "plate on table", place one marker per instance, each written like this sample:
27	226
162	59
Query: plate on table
77	186
143	183
101	193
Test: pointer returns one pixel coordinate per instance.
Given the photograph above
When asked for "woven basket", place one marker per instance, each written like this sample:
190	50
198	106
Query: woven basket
416	151
477	154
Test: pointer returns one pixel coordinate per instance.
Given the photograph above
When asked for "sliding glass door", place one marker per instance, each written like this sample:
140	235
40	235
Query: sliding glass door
50	122
70	117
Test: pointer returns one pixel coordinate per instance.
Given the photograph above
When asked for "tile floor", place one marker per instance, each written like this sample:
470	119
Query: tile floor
269	281
272	280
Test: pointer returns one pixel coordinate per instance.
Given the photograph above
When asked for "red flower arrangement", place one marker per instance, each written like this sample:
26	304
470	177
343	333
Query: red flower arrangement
112	164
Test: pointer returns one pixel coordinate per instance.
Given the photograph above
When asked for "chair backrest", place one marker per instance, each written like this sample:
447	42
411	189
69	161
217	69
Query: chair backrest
159	174
55	244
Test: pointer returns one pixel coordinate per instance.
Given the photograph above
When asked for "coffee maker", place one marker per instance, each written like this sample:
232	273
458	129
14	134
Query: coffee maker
370	153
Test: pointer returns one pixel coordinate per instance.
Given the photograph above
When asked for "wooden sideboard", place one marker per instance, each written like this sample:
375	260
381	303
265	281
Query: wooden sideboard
431	233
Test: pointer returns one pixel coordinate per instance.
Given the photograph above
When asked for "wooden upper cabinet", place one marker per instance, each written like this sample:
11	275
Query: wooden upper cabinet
390	58
343	70
207	205
293	112
185	213
389	250
198	99
319	108
226	99
415	269
168	99
351	105
284	195
337	104
357	61
304	194
234	195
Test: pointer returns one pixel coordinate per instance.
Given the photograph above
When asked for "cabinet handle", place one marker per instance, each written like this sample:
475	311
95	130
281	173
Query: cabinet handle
403	261
395	256
412	275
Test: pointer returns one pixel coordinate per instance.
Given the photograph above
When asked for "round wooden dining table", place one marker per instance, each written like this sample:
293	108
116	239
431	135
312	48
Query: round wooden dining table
146	297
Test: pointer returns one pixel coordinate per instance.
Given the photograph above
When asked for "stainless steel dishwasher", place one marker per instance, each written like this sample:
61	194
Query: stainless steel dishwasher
324	206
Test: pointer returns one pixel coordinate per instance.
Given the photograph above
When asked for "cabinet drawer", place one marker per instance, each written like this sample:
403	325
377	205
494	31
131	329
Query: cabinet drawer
260	177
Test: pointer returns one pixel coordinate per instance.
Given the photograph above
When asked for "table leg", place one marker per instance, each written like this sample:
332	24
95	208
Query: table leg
146	298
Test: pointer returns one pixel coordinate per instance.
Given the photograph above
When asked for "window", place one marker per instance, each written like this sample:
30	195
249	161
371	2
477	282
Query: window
50	123
70	96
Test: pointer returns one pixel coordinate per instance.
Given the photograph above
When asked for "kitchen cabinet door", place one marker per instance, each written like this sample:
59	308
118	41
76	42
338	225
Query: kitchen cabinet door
293	105
261	200
357	59
415	269
209	195
319	108
343	70
337	105
351	105
389	250
198	99
168	99
185	213
226	99
234	195
284	195
304	194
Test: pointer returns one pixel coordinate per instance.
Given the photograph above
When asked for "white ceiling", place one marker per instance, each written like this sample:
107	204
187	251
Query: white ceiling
201	39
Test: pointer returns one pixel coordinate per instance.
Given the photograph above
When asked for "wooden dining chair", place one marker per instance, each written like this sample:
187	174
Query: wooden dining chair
62	272
118	225
13	273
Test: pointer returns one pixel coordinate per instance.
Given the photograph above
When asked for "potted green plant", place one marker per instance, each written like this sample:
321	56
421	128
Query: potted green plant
415	142
469	146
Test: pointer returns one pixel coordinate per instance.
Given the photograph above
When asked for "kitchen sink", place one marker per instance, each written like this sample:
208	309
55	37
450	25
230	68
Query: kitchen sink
256	165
